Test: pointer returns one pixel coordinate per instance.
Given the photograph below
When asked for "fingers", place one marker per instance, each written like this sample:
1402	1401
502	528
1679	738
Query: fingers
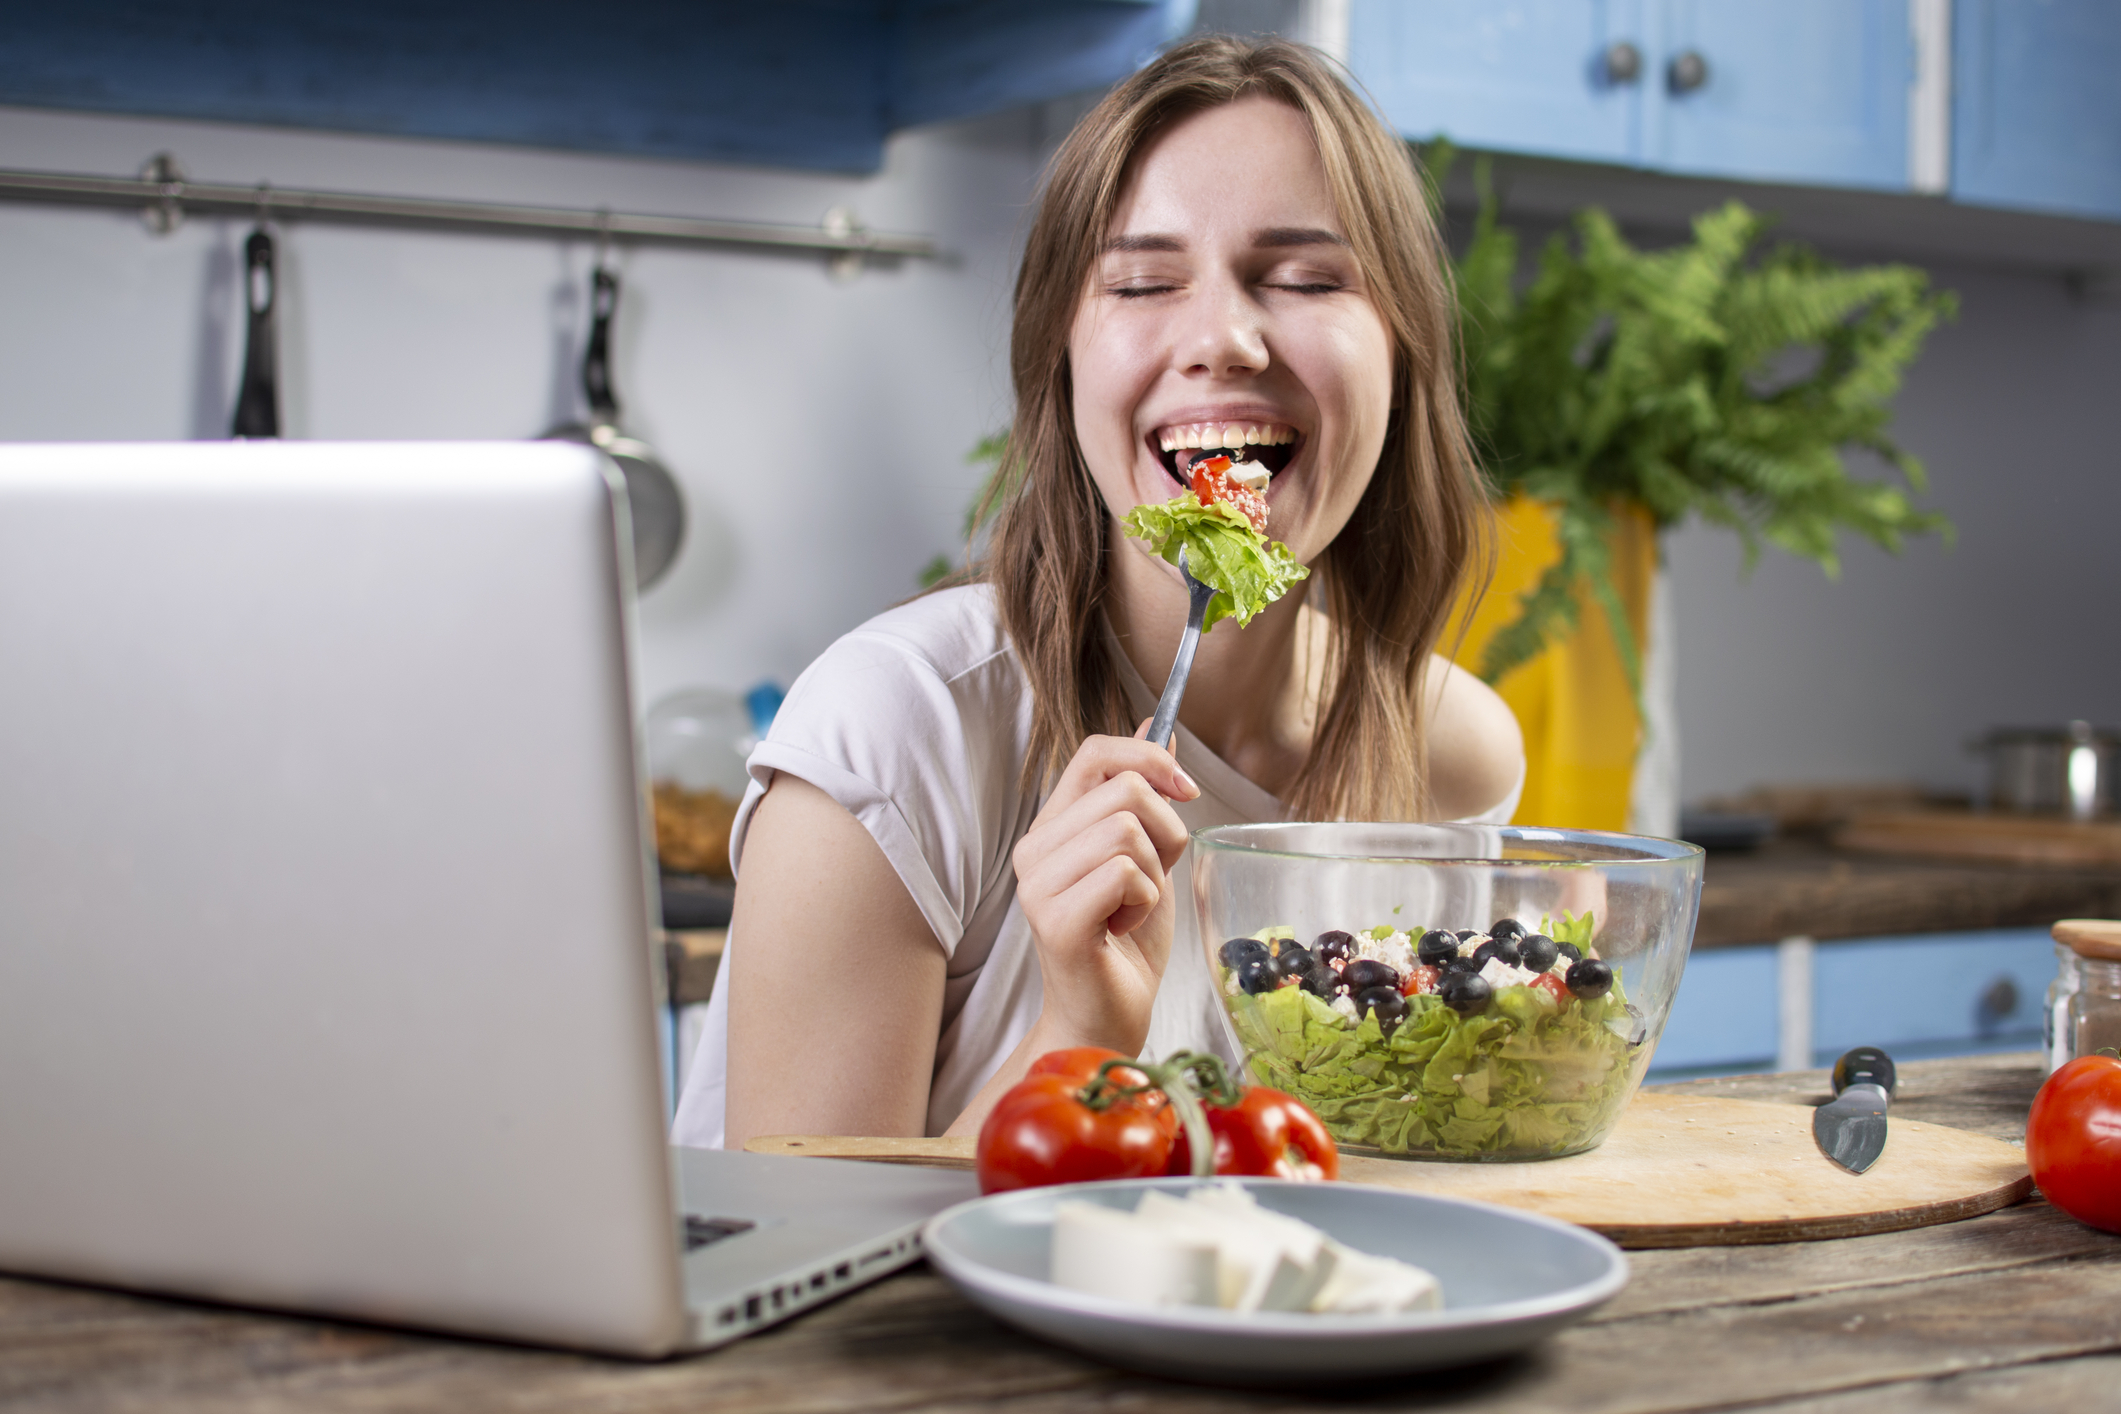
1100	758
1124	795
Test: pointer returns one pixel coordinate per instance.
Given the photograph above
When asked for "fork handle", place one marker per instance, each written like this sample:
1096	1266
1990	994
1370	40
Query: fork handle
1164	725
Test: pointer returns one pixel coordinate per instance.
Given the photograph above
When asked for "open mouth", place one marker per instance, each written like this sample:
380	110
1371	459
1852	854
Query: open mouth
1268	445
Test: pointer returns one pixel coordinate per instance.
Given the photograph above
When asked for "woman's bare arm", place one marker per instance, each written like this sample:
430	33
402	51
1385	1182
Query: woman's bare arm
835	982
1476	751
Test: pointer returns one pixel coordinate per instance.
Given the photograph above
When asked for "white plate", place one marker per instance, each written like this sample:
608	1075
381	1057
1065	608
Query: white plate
1509	1279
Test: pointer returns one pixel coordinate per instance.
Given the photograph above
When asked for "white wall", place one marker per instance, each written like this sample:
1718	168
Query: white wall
819	428
1887	672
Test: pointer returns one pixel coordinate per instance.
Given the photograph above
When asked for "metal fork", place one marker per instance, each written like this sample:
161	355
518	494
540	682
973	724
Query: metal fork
1165	722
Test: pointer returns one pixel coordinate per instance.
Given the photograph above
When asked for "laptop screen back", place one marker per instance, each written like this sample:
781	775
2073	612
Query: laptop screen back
325	971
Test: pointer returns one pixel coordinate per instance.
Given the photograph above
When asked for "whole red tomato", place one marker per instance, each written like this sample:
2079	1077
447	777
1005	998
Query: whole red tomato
1081	1064
2073	1140
1042	1132
1266	1134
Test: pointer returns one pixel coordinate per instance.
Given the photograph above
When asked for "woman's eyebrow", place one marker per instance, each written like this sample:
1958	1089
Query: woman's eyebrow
1283	237
1122	244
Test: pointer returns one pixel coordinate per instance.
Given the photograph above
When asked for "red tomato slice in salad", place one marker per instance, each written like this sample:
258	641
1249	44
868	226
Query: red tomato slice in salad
1212	483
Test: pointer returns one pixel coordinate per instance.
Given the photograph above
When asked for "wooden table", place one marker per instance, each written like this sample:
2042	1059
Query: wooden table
2016	1311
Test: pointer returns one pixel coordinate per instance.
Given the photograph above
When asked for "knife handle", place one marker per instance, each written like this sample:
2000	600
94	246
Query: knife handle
1866	1065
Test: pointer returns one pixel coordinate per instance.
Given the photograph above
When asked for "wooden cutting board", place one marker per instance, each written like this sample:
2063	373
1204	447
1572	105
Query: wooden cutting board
1962	834
1677	1171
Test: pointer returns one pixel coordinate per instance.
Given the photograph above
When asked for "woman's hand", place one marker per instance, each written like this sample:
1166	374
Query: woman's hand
1093	878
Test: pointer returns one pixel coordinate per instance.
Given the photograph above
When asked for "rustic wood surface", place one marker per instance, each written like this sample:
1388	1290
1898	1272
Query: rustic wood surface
2015	1311
1794	887
1686	1170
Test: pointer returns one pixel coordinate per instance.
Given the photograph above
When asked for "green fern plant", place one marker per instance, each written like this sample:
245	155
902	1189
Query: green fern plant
1717	378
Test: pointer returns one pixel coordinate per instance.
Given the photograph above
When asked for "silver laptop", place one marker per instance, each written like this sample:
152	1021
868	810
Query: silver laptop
325	968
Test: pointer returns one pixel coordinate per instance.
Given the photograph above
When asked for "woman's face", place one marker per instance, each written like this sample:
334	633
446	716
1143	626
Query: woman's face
1227	307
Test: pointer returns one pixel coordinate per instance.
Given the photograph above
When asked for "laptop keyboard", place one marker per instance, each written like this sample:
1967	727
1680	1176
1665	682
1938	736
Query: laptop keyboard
699	1231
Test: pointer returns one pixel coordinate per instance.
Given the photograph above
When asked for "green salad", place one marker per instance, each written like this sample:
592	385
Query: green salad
1501	1045
1223	549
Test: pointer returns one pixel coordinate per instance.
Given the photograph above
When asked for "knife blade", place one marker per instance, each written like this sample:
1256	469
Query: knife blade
1850	1129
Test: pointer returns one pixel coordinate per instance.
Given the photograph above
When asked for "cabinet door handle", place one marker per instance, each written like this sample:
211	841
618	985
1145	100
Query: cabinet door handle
1623	62
1688	71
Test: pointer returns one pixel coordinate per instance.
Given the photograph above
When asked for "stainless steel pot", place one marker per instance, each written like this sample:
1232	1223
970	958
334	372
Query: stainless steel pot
2047	770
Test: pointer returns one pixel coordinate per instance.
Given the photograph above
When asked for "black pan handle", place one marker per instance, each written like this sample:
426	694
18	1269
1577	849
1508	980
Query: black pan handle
258	404
596	363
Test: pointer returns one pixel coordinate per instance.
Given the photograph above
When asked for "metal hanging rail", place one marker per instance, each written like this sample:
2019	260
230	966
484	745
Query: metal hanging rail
164	197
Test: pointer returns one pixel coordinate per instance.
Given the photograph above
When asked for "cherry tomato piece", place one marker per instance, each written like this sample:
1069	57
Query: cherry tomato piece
2073	1140
1553	986
1040	1132
1211	483
1419	982
1266	1134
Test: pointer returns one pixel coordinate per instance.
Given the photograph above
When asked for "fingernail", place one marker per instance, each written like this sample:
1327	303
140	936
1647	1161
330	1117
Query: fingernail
1187	782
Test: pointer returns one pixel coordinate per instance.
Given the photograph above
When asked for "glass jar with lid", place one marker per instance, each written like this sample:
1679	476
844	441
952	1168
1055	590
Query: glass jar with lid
2085	1004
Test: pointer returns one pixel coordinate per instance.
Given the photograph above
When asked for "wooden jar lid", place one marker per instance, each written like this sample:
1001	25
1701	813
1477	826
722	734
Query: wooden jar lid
2091	937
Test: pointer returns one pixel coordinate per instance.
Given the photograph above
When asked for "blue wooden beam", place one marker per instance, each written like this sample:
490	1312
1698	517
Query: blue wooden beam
803	83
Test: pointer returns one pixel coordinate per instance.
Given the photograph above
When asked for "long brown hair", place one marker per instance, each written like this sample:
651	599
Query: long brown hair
1389	578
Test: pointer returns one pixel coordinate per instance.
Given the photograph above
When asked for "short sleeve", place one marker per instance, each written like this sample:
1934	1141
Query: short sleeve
920	754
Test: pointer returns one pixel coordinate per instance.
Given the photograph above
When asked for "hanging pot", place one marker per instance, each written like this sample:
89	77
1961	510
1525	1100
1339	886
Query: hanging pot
653	502
258	404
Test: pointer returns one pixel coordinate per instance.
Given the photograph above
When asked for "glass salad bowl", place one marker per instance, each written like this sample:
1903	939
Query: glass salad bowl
1447	991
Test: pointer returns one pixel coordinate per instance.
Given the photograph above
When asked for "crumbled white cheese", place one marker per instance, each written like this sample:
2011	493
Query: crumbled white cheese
1499	974
1218	1247
1472	945
1345	1005
1396	952
1231	986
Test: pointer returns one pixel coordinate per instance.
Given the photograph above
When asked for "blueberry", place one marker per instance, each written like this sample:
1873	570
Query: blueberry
1455	964
1238	951
1335	946
1365	973
1437	947
1506	928
1569	951
1256	975
1502	950
1385	1004
1590	978
1466	935
1465	993
1323	981
1537	951
1294	960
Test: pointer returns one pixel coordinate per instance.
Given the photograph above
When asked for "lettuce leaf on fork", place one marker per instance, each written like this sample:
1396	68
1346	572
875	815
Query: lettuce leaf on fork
1246	569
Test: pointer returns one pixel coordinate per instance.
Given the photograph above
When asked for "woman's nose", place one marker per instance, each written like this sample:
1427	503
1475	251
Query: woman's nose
1223	334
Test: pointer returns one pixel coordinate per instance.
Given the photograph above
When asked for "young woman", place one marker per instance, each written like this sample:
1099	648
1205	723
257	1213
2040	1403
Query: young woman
953	856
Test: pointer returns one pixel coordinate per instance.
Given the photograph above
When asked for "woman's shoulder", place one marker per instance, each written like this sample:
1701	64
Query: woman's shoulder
932	670
1476	749
947	634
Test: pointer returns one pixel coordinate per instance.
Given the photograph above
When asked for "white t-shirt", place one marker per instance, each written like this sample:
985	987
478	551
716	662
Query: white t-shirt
918	723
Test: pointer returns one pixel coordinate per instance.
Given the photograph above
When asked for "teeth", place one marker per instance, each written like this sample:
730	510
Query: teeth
1211	435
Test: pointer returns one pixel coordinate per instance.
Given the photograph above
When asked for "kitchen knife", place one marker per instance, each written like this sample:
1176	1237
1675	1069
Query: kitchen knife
1850	1129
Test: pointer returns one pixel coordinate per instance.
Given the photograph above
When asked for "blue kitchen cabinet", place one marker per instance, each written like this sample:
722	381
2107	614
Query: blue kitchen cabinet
2036	105
1519	76
1932	995
1725	1016
1809	91
1923	995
